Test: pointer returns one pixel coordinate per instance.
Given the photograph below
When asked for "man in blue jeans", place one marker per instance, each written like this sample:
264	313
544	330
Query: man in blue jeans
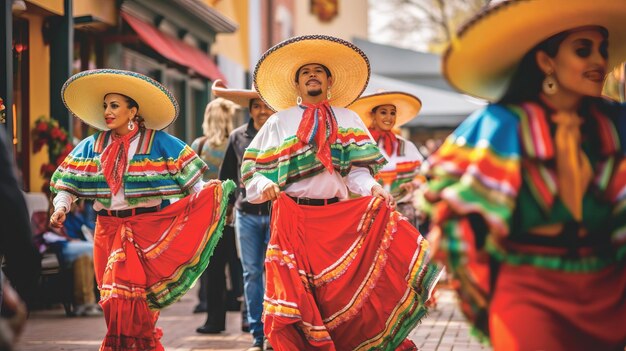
251	220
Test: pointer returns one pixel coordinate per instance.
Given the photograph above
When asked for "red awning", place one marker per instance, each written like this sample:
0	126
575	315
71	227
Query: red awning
174	49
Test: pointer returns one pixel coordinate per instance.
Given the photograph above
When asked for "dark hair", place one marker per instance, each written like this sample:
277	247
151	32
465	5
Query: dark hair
297	77
525	84
140	121
130	103
376	107
251	101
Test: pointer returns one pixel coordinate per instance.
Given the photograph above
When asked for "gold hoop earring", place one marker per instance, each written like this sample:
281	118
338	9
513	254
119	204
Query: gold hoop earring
299	100
131	125
550	85
328	94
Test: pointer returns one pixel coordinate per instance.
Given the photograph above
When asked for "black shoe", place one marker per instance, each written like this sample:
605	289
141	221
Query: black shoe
209	329
200	308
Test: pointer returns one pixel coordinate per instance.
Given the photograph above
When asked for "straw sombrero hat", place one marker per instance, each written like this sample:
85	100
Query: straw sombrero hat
275	72
84	93
481	61
407	105
241	97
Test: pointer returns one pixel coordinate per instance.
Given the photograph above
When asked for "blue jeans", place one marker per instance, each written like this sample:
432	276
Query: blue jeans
253	234
72	250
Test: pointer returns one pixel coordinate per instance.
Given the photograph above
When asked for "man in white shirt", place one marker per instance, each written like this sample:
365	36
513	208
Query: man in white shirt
340	268
313	82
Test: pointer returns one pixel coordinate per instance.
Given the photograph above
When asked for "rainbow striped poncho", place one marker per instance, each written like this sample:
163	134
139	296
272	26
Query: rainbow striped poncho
403	167
494	181
277	154
163	167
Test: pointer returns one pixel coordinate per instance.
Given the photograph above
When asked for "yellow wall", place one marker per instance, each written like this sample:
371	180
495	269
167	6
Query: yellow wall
104	10
54	6
233	45
39	92
350	22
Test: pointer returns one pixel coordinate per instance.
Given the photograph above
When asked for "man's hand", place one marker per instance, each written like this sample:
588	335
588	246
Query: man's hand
57	218
408	187
378	191
212	182
230	218
271	192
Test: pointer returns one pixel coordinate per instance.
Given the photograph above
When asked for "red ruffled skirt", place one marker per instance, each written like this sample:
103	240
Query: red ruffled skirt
348	276
146	262
541	309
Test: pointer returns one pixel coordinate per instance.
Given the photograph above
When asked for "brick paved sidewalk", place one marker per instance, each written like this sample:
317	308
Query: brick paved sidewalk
443	330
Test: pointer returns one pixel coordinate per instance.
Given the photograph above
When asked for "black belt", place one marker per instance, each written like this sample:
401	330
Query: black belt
314	202
262	209
129	212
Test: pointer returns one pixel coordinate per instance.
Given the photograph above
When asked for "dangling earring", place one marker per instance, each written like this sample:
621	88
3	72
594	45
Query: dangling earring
299	100
328	94
550	86
131	125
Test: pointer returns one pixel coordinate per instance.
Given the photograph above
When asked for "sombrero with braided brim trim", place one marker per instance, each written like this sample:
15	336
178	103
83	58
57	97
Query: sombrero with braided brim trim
488	48
241	97
274	75
84	92
407	106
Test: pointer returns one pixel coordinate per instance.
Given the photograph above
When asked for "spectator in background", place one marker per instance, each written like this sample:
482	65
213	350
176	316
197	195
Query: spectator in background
73	245
218	123
252	221
429	147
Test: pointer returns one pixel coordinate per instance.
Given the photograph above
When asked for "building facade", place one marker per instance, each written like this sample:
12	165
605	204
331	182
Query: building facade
46	41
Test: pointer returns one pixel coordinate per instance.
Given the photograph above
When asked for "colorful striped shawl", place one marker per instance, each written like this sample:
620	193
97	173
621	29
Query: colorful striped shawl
403	167
485	167
278	154
162	167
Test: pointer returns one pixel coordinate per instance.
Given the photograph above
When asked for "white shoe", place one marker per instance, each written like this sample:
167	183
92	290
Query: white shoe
87	310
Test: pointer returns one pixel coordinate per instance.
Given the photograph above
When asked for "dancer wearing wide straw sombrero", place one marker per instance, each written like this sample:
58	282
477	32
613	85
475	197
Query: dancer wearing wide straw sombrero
530	191
382	112
252	221
145	257
341	275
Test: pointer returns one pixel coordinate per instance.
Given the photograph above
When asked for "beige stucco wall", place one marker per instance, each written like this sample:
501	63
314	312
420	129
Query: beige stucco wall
103	10
350	22
233	45
39	82
54	6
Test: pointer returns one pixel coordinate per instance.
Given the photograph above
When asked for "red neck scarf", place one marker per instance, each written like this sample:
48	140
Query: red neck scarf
319	127
388	138
114	159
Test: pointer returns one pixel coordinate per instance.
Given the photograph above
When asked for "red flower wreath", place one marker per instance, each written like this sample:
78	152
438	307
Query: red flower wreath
48	132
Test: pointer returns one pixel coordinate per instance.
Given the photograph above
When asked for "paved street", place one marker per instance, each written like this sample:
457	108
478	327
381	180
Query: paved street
50	330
